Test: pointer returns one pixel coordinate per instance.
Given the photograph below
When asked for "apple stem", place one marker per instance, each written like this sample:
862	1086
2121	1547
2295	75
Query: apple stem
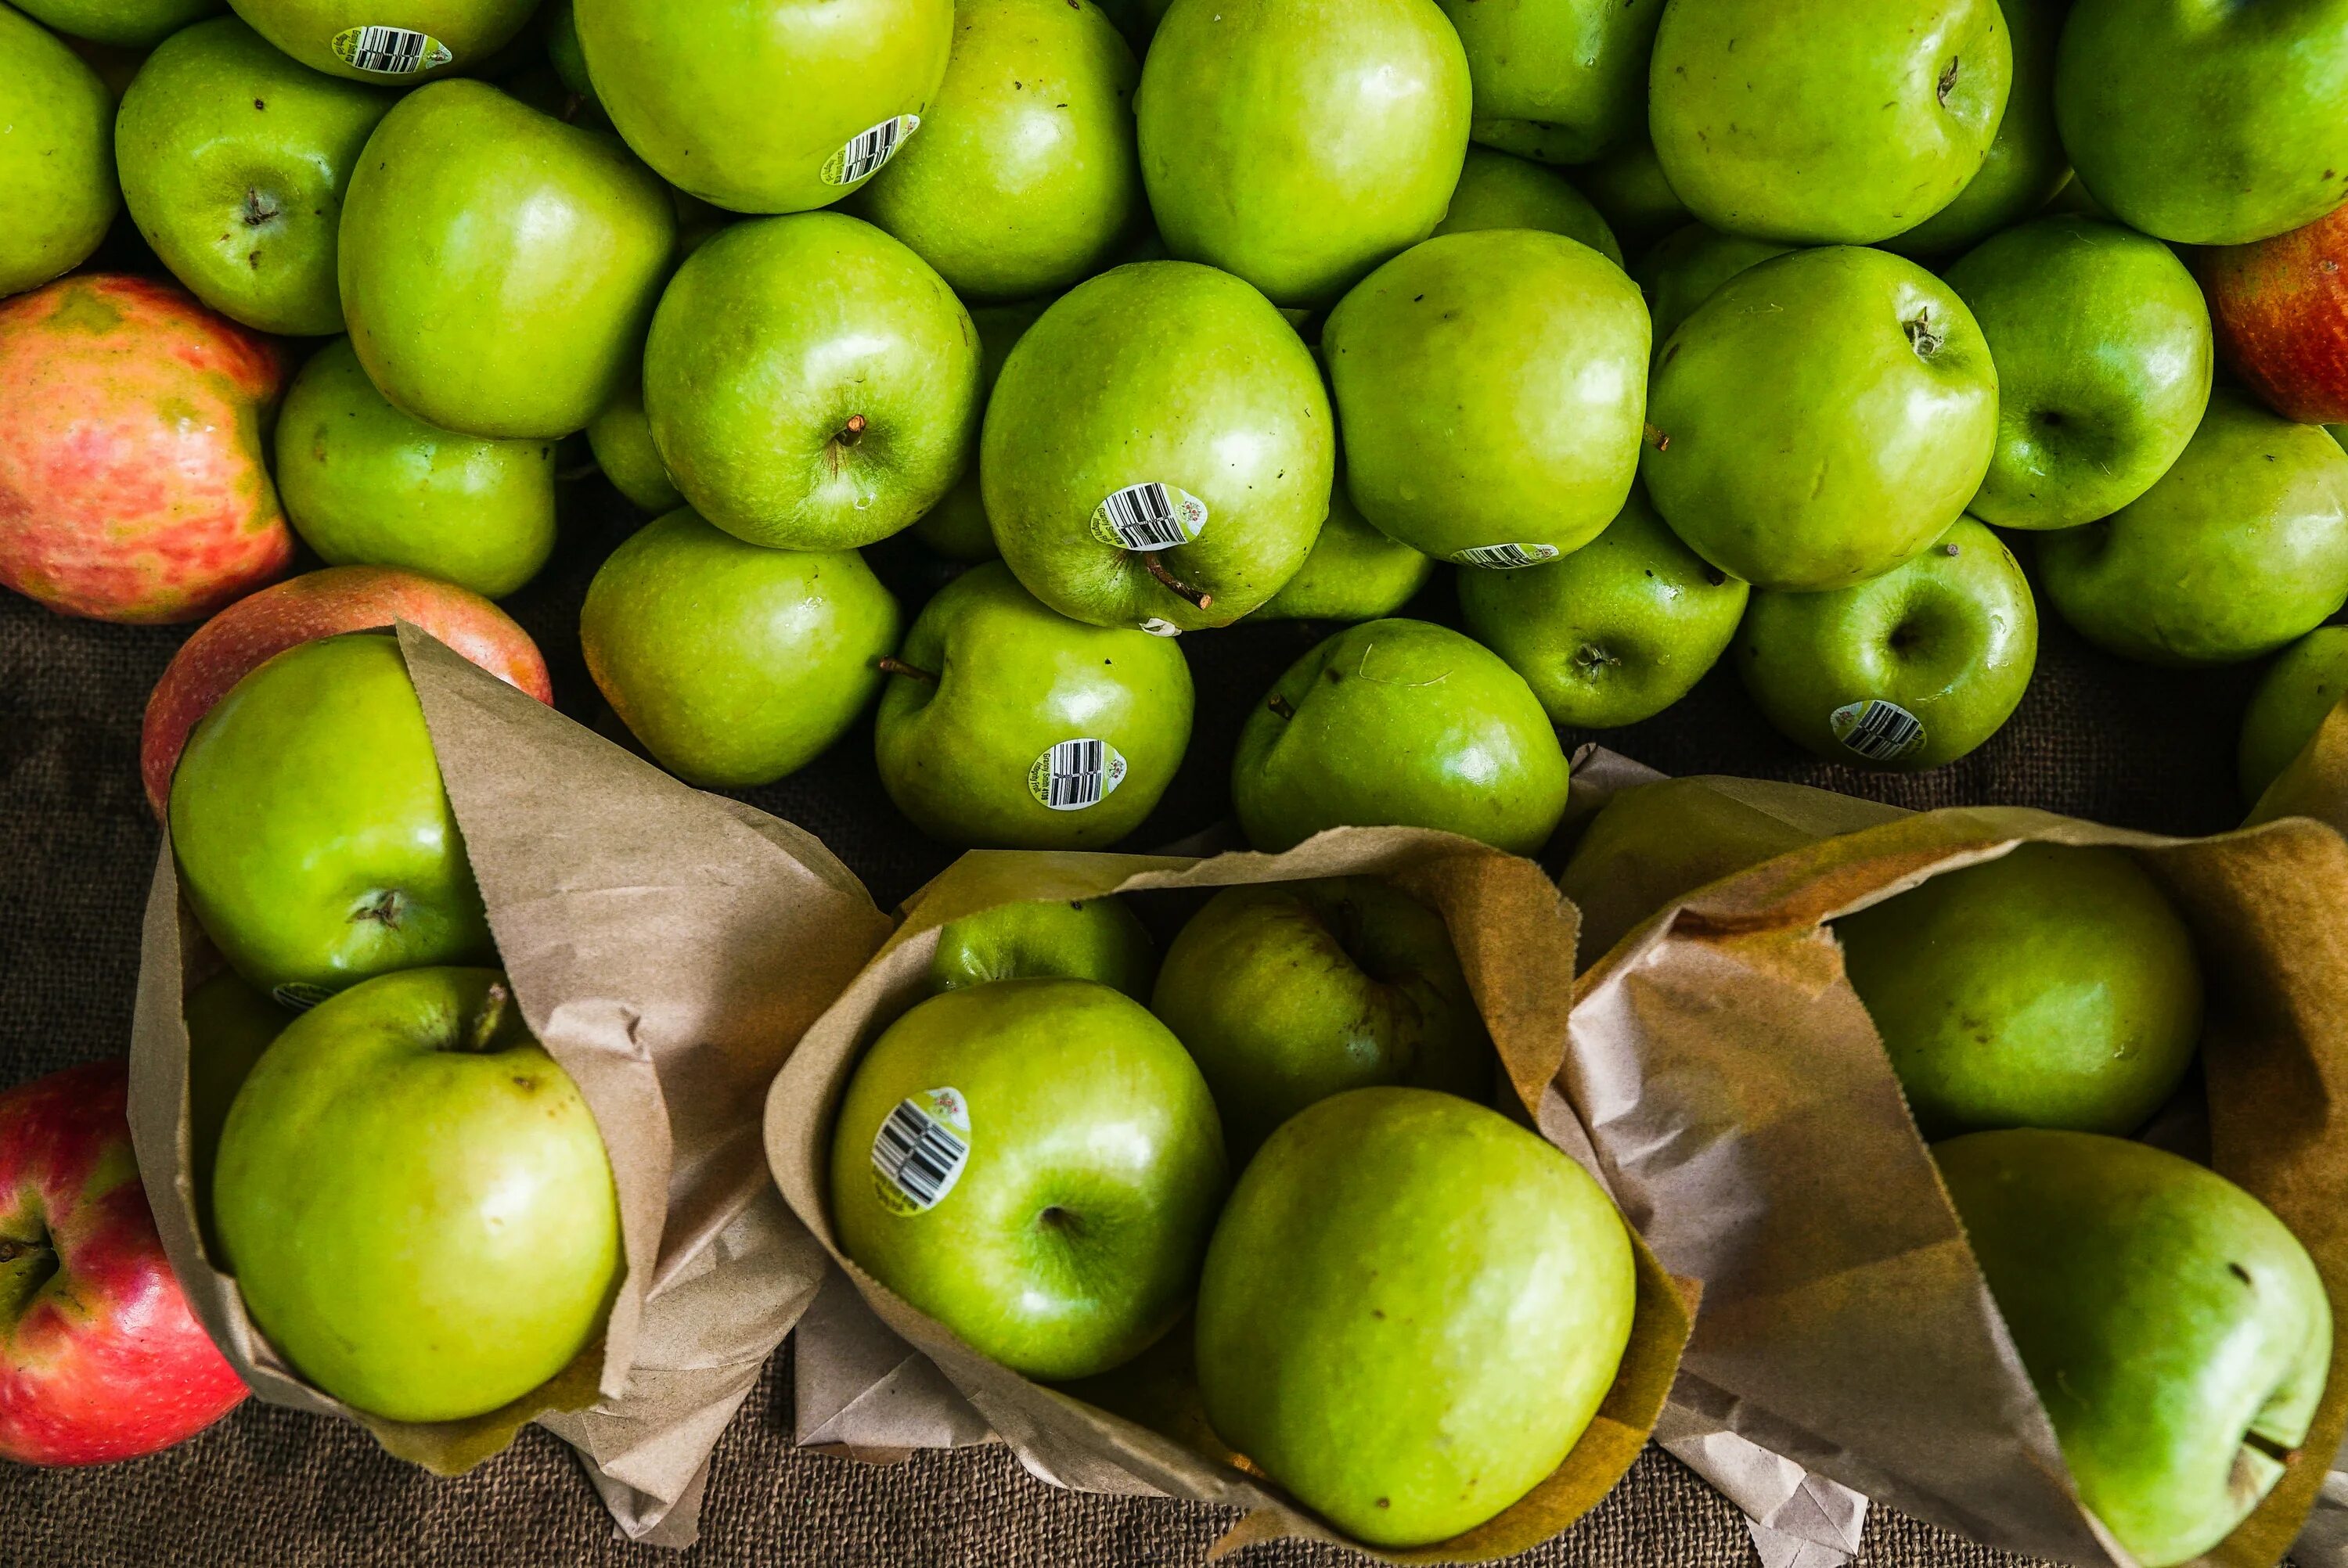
1658	439
493	1015
1947	80
1282	706
2269	1447
894	666
1155	564
853	431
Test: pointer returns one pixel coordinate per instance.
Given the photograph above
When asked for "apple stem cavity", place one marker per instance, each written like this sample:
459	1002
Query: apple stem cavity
853	431
1925	338
894	666
1282	706
1947	80
2271	1448
24	1268
1155	564
487	1022
386	909
1658	439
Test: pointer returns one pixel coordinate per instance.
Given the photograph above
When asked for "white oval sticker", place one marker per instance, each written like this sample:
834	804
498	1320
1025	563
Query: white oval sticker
1075	775
866	155
1506	557
390	51
1149	517
1876	730
921	1151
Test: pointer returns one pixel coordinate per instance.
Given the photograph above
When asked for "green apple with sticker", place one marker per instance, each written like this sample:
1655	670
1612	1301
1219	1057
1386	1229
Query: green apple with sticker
399	42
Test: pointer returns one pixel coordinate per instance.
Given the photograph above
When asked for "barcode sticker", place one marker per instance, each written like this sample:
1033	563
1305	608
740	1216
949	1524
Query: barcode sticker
1506	557
298	995
1075	774
921	1151
1879	731
1158	627
390	51
1151	516
865	155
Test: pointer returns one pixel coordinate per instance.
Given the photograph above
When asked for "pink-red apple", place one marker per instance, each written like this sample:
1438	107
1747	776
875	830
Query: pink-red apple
2280	307
132	428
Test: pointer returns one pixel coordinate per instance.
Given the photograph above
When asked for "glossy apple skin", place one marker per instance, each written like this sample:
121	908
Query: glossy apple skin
1952	637
1814	122
1355	572
957	528
1821	418
368	484
1497	190
2207	125
2162	1312
772	342
2026	164
1287	992
1299	143
1563	83
1166	371
1614	633
304	609
1490	390
745	106
2280	307
100	1360
734	665
315	842
57	166
2104	364
1399	723
2294	697
133	486
124	24
1098	939
2055	986
234	160
1014	680
229	1026
1411	1309
471	30
511	303
415	1200
2240	548
1687	266
1071	1241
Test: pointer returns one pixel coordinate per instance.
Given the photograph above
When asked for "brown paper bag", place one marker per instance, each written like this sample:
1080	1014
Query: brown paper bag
1747	1120
668	947
1515	938
2316	783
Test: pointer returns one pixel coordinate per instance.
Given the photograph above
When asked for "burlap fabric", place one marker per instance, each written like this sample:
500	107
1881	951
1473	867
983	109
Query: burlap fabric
2095	738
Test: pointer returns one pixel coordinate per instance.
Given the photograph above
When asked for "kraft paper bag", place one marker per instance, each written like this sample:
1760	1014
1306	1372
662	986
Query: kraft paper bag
669	948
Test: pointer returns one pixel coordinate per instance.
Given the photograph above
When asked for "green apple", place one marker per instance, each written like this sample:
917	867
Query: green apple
811	382
1911	669
1287	992
2053	986
57	160
2207	124
1880	420
1411	1310
1630	192
568	59
1024	177
123	24
1617	631
1299	143
2104	361
1568	78
734	665
314	840
1097	939
1008	725
1355	572
2179	1337
622	440
774	107
2026	164
233	162
366	485
1497	191
2294	697
1819	122
956	528
498	267
2240	548
1399	723
415	1201
1035	1164
1687	267
230	1024
419	38
1158	451
1491	388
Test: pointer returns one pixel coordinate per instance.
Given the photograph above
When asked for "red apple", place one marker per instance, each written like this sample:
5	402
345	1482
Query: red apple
2280	307
322	604
132	428
100	1358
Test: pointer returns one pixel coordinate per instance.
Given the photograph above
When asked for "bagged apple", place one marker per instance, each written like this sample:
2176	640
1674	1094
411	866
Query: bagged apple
1264	1242
454	1025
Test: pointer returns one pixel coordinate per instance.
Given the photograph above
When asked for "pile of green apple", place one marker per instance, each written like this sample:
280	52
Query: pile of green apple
1406	1310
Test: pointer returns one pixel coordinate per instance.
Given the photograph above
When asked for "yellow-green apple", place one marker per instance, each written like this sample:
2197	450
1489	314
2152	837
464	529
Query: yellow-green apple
1354	572
57	163
315	839
1818	122
1399	723
956	528
1411	1310
734	665
2053	986
1821	418
1008	725
1563	82
1911	669
1688	265
1158	450
2281	309
2179	1335
511	299
2293	697
229	1025
1617	631
122	23
1490	390
133	482
1630	192
2240	548
415	1201
1299	143
1035	1164
2026	164
564	52
419	40
621	437
1500	190
1098	939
